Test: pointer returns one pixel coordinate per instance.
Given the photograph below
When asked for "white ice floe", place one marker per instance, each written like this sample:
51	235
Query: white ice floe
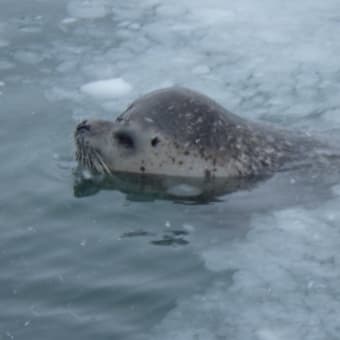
107	89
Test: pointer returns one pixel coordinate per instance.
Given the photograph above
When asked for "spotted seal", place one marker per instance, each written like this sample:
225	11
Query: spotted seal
179	132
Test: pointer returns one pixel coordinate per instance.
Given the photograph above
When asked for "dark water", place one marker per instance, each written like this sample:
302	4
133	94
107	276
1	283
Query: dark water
259	264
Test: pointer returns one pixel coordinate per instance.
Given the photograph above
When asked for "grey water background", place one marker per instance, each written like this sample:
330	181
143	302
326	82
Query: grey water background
261	264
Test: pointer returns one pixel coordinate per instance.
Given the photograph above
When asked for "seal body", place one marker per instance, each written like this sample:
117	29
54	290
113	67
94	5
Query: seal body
182	133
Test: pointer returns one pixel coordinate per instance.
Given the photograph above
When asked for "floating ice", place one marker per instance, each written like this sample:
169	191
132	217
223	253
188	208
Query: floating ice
280	282
88	9
107	89
68	21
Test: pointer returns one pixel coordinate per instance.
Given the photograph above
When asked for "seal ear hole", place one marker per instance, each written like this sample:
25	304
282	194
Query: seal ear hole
155	141
124	139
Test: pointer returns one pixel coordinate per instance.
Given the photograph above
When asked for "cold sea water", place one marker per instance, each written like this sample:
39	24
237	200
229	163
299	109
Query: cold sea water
259	264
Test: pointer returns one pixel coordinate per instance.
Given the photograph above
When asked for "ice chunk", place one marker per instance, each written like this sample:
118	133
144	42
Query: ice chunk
284	277
107	89
68	21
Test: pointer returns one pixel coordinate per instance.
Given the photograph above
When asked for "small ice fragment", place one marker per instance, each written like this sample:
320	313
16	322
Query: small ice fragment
68	21
83	243
107	89
27	323
2	83
168	224
188	227
149	120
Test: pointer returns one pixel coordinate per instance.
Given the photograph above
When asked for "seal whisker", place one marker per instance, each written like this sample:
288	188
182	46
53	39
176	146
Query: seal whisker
103	164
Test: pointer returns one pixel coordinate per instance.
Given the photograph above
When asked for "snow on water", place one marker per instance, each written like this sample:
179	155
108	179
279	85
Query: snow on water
285	282
107	89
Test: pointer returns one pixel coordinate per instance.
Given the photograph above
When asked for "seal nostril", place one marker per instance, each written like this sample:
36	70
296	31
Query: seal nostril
83	126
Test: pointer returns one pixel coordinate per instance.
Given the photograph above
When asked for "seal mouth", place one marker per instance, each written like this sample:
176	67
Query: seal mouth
89	157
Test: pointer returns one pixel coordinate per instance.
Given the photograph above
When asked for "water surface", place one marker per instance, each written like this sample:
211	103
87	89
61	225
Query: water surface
258	264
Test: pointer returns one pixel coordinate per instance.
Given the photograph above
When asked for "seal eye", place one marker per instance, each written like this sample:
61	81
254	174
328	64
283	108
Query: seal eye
124	139
155	141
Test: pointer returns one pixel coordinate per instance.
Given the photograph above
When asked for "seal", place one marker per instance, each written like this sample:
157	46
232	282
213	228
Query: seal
182	133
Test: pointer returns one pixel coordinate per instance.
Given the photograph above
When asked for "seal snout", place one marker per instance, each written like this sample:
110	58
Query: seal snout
82	127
